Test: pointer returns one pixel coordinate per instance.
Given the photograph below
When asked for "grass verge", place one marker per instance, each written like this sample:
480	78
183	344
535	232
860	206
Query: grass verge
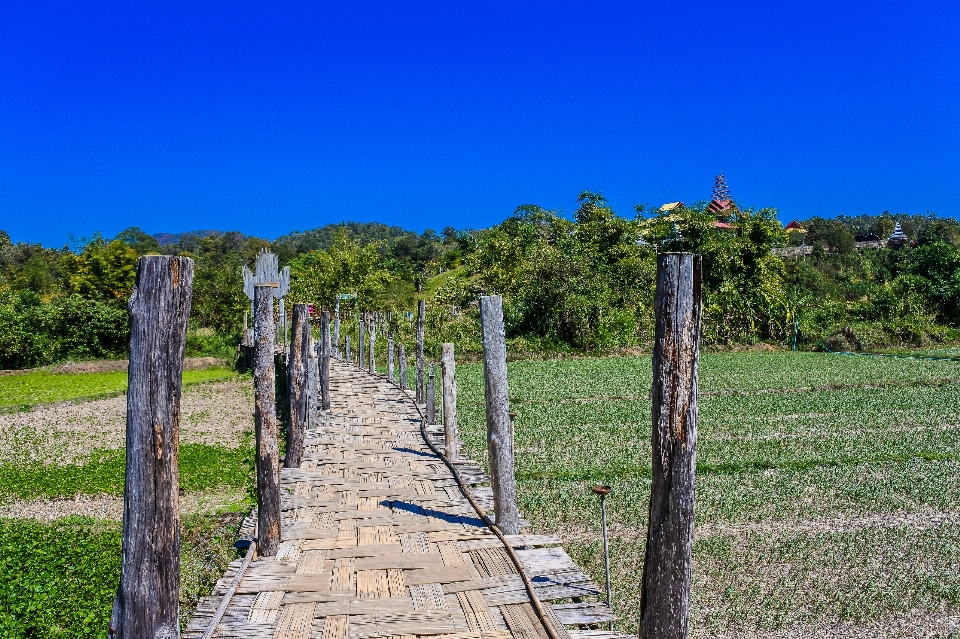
202	467
59	579
20	392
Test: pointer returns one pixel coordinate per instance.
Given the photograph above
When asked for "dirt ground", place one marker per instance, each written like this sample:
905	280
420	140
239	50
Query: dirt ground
110	365
217	413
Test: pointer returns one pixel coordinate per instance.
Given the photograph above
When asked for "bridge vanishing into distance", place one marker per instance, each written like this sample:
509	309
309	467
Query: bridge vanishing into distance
381	536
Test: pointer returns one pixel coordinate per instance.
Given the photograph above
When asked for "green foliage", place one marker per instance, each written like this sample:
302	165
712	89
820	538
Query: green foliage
41	387
34	332
103	270
580	285
205	342
571	283
59	579
201	466
345	267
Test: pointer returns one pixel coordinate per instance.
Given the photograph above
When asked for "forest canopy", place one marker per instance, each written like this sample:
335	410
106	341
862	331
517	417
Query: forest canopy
579	282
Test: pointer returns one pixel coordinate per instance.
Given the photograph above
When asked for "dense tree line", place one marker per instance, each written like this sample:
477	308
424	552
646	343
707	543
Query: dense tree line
582	282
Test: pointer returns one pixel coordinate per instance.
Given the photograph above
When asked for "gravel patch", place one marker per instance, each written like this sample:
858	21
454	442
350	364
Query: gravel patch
111	506
217	413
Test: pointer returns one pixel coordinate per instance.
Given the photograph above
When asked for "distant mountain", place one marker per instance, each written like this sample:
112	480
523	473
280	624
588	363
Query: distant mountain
166	239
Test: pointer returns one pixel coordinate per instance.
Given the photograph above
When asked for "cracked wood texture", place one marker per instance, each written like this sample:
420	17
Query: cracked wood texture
421	321
299	363
380	541
665	594
147	601
499	423
325	353
451	439
265	417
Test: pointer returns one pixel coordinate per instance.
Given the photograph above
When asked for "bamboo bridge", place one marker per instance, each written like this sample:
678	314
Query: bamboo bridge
381	536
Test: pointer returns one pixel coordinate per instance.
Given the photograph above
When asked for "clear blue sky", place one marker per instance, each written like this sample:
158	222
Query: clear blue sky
278	116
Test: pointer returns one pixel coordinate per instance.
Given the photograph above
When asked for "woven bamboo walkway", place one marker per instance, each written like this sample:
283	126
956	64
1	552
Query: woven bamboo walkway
379	541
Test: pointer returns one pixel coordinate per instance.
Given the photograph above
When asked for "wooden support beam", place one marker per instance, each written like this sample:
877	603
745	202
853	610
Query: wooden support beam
665	591
147	603
499	422
421	321
360	340
336	330
313	383
390	356
347	346
298	362
268	452
448	372
431	397
325	353
372	364
402	356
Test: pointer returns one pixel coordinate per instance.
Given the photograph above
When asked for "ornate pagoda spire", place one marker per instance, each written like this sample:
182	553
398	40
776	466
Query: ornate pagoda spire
721	192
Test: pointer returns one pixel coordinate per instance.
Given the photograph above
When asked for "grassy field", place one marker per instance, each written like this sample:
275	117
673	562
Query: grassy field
41	387
61	485
827	498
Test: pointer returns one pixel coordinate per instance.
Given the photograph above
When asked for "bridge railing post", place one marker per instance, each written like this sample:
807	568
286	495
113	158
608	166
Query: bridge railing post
431	413
268	452
390	356
298	362
421	322
499	420
325	352
448	372
147	601
665	591
360	343
336	330
372	364
313	382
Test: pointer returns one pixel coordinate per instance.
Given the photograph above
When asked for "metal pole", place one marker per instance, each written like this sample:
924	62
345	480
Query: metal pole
602	492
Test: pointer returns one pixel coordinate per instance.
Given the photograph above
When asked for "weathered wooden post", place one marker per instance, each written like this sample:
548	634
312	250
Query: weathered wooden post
373	353
313	383
349	355
297	363
499	422
421	320
147	603
665	592
431	397
265	413
403	366
360	351
390	356
336	329
450	440
325	351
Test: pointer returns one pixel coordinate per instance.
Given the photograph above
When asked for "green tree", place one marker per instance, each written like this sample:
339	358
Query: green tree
103	270
318	276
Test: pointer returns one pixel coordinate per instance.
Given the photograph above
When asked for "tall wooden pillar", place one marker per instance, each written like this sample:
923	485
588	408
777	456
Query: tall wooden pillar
147	603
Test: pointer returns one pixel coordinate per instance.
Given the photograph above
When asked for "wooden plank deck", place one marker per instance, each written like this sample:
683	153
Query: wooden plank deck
379	541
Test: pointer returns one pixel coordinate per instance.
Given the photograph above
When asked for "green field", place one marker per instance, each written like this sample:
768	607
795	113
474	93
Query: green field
826	484
826	493
58	578
23	390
